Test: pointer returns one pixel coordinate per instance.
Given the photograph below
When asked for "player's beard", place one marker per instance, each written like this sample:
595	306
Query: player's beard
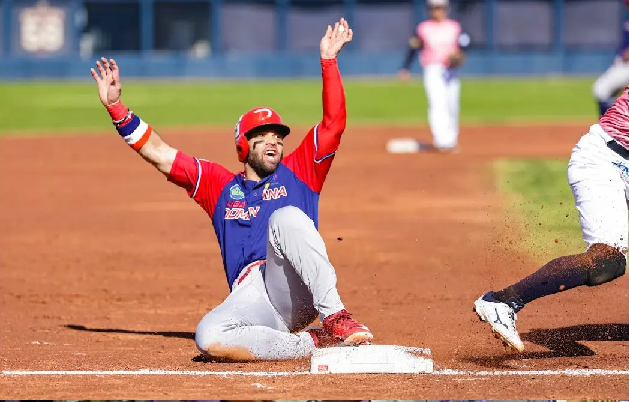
262	167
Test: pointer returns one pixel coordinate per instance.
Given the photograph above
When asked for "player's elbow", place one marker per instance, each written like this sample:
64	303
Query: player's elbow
334	125
340	123
341	126
335	131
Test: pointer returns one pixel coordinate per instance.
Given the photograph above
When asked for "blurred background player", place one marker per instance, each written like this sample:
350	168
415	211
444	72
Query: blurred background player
609	84
441	42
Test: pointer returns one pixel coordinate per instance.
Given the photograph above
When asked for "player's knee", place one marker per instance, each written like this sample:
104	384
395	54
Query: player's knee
213	340
208	334
212	329
608	263
289	217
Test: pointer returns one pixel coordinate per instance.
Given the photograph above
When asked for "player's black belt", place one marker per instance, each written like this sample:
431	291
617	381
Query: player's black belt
619	149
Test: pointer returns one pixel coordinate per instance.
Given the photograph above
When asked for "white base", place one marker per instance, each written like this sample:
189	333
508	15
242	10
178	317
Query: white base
403	146
371	359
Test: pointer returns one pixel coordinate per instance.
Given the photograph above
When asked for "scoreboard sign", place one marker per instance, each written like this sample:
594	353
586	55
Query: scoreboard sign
42	29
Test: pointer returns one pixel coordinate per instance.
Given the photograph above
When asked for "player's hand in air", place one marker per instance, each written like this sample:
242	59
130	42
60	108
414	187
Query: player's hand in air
109	88
334	39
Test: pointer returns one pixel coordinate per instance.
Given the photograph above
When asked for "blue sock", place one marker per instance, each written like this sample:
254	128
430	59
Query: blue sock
558	275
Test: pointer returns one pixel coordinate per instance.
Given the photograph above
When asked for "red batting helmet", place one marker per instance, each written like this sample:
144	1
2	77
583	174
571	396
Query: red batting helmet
254	121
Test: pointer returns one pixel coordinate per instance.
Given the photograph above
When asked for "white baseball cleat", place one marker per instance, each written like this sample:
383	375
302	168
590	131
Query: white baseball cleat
502	319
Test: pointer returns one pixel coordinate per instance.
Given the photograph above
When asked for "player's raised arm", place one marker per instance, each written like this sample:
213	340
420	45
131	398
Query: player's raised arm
311	161
334	120
137	134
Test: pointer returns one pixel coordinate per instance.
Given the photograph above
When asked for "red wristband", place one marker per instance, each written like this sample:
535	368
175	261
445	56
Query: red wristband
117	111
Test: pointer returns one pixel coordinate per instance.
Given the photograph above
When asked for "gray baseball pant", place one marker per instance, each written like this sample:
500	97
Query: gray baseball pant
261	317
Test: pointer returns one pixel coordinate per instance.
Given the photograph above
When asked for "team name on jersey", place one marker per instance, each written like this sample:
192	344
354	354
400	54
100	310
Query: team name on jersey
274	193
241	213
238	210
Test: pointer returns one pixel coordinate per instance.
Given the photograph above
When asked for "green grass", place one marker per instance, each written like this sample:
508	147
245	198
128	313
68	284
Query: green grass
540	199
39	107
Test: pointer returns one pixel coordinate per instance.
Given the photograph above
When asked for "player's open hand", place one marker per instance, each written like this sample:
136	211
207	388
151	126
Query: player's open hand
334	39
108	81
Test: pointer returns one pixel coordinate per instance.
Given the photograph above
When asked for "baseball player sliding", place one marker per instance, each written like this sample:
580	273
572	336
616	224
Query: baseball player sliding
441	42
598	173
265	219
613	80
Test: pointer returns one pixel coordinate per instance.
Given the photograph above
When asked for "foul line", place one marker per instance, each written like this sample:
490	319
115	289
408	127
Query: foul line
446	372
568	372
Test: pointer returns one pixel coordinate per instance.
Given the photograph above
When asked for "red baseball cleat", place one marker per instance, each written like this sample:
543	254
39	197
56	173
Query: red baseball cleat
344	328
322	338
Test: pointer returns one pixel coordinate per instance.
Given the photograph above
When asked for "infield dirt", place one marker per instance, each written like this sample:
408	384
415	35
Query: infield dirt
106	266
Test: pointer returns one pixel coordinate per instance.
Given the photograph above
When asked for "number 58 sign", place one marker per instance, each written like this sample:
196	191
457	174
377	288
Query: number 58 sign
42	28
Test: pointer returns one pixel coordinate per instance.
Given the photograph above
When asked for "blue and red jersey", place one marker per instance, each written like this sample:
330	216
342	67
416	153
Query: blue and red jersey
240	208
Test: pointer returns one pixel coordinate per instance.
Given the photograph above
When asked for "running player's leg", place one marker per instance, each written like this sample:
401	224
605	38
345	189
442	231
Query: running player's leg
615	78
301	281
246	327
600	197
438	113
600	192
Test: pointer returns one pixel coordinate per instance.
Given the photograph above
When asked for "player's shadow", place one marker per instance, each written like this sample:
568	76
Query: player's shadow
560	342
182	335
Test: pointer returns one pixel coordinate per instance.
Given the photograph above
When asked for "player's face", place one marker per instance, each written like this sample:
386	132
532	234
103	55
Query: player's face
266	150
438	13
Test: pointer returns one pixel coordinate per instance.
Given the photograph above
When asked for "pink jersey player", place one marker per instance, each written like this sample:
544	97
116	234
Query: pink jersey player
615	121
441	41
598	173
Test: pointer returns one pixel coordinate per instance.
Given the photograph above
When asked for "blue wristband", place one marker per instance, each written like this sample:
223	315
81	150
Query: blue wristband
130	127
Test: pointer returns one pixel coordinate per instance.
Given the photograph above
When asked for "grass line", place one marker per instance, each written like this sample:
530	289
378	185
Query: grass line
540	199
74	106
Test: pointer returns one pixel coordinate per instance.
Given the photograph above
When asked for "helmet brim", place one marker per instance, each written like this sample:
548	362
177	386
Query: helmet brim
281	129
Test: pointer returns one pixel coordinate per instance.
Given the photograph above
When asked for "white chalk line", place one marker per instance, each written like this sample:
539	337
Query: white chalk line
443	372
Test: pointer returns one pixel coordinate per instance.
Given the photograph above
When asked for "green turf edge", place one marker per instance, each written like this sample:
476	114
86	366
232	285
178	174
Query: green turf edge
539	199
52	107
103	128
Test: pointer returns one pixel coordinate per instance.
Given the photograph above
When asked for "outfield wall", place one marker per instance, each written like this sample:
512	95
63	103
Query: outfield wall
279	38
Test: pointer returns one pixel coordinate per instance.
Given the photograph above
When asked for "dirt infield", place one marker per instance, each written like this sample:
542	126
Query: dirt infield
106	266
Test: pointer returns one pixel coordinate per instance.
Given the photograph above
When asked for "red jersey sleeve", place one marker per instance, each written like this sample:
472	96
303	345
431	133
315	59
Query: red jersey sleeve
312	159
202	180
